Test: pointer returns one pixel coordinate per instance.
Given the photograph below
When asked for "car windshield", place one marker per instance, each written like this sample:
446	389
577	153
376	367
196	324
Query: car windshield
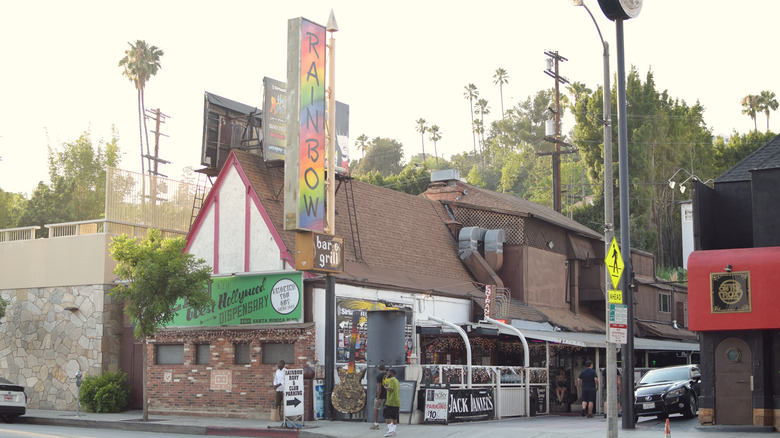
665	375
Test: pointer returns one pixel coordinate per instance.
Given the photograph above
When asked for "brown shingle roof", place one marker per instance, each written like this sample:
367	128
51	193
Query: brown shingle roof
479	198
403	239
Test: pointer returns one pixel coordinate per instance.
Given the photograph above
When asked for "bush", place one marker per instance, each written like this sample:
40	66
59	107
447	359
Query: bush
105	393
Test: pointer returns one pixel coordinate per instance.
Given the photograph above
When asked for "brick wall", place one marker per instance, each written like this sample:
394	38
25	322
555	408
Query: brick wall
187	388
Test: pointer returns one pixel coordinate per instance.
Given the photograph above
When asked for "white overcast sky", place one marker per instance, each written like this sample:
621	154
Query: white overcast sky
396	62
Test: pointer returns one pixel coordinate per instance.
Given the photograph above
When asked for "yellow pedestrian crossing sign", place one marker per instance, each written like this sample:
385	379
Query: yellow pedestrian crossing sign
614	262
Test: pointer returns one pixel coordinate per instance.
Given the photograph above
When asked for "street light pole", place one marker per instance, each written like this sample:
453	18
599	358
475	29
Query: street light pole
609	233
627	353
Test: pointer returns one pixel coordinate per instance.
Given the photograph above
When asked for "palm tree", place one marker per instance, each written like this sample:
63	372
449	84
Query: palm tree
471	94
501	78
435	136
767	102
482	109
577	89
421	128
140	63
362	144
750	107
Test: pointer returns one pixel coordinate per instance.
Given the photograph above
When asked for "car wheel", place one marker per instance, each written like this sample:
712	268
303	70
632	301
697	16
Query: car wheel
692	408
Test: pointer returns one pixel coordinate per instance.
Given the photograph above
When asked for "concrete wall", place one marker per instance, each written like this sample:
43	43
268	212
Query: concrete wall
73	260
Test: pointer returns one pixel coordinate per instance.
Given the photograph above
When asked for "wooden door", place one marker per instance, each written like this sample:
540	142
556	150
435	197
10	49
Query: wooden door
733	392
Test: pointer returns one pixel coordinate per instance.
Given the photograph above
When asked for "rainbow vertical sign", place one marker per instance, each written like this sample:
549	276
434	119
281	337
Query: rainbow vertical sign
304	199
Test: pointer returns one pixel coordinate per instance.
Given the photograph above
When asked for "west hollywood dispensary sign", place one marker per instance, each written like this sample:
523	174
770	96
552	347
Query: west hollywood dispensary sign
304	196
250	299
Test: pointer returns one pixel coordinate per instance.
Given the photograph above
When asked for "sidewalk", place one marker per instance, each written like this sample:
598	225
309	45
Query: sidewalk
536	427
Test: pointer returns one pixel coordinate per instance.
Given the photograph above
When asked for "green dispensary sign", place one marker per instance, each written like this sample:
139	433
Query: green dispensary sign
250	299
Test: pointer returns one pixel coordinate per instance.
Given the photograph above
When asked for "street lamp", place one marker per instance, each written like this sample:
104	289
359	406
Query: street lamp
619	11
609	229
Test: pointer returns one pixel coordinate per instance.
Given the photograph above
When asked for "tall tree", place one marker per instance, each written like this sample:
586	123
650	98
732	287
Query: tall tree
482	110
750	105
577	89
501	77
422	128
362	144
470	94
435	136
84	164
665	135
11	206
767	103
384	156
140	63
155	275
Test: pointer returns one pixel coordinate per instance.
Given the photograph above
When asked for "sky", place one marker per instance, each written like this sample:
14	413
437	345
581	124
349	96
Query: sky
396	62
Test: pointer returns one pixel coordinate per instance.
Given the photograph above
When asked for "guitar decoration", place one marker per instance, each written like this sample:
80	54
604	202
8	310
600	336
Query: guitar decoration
349	397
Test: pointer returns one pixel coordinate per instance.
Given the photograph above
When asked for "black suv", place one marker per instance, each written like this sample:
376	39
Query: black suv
670	390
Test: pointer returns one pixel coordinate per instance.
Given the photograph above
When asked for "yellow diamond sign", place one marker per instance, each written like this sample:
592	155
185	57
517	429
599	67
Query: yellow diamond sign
614	262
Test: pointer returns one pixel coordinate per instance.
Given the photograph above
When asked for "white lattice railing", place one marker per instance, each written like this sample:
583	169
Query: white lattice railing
21	233
97	226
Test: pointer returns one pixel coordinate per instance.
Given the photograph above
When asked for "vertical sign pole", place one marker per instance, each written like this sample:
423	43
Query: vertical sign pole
627	353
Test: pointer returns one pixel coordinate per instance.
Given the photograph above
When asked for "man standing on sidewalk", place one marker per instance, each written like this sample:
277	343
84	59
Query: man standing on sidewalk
588	381
393	404
381	396
279	386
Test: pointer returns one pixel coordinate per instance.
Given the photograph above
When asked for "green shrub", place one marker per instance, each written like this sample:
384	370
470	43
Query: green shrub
105	393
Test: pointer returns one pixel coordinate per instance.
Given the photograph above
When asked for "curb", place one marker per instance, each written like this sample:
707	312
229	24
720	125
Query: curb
167	428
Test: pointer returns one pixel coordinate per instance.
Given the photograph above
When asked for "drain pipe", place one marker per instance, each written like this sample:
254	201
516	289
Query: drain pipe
465	341
526	360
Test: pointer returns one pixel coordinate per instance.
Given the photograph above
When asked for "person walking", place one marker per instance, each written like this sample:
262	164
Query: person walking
381	396
393	404
588	381
279	387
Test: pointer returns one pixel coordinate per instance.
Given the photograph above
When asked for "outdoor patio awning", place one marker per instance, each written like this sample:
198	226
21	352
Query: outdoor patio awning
596	340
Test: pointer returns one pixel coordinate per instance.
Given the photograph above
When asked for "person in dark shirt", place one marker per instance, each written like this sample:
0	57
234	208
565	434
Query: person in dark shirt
588	381
381	396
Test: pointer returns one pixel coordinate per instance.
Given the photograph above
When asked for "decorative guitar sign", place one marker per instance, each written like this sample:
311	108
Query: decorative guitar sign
349	397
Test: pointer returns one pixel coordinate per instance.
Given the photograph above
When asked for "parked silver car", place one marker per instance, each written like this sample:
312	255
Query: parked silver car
13	400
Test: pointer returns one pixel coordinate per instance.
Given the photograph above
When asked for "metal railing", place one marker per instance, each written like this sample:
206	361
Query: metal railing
21	233
81	228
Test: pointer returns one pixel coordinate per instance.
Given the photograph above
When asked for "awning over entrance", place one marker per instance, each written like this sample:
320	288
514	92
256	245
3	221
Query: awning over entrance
596	340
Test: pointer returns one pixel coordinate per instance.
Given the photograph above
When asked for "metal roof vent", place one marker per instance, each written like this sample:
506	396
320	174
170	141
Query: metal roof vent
445	175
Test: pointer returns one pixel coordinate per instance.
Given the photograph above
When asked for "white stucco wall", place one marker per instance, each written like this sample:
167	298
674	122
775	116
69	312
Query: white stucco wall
202	245
450	309
264	254
232	223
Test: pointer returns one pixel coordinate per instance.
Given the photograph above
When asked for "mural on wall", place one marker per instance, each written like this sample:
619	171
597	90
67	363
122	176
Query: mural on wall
345	307
247	299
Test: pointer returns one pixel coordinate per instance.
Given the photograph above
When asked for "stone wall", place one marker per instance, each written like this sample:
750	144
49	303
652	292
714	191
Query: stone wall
51	333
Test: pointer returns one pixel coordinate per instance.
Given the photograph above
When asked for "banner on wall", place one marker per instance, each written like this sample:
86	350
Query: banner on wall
247	299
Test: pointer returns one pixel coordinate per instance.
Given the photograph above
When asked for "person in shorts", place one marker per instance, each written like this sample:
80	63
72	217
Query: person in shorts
393	404
588	381
381	396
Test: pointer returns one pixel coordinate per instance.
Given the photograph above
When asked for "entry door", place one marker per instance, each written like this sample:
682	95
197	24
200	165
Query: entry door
733	395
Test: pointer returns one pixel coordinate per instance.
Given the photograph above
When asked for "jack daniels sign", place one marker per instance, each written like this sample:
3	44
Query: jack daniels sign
462	404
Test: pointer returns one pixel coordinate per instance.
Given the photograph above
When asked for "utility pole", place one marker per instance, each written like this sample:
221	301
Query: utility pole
159	118
552	71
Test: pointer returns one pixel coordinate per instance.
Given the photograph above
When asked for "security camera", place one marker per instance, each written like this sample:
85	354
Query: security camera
727	268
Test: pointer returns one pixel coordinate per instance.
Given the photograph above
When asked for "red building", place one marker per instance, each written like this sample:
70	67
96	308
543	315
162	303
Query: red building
733	279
